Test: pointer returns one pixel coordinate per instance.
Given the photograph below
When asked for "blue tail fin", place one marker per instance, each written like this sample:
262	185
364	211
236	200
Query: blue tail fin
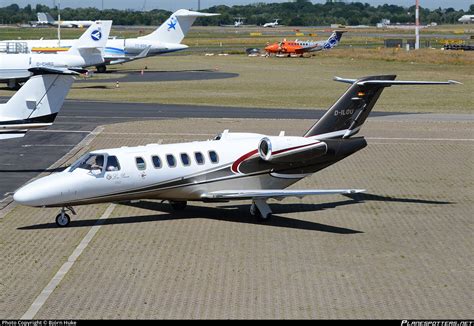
333	40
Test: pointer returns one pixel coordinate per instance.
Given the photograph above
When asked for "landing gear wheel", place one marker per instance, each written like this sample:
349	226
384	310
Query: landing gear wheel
178	205
254	211
62	220
101	69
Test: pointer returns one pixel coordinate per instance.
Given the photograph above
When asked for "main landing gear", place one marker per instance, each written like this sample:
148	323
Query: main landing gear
260	209
101	69
178	205
63	219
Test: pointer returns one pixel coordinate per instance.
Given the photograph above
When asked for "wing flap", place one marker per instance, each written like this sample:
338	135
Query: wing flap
269	193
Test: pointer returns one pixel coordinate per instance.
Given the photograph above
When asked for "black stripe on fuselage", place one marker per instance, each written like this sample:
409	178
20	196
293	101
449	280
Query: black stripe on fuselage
13	132
42	119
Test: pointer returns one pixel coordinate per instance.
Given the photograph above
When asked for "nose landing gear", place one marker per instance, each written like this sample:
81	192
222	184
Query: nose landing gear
63	219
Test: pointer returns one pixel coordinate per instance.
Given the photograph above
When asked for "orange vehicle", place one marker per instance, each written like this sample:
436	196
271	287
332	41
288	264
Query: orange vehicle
301	47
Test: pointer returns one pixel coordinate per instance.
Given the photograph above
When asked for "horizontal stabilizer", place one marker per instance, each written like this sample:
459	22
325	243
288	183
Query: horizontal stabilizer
270	193
12	134
393	82
53	71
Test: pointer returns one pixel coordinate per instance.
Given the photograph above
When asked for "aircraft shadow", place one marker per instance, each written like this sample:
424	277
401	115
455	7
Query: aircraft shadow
364	196
94	87
238	214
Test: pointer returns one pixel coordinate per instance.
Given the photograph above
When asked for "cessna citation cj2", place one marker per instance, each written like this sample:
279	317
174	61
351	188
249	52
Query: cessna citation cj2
232	166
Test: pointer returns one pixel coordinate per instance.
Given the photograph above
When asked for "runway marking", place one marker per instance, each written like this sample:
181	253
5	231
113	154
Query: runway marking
48	145
44	295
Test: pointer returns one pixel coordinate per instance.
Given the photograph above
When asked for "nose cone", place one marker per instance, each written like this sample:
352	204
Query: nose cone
29	195
24	197
42	192
272	48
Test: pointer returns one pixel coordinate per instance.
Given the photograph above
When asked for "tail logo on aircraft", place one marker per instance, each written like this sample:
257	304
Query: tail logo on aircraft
96	35
330	43
172	23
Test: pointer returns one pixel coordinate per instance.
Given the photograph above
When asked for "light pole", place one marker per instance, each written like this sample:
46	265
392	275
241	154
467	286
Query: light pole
59	23
417	27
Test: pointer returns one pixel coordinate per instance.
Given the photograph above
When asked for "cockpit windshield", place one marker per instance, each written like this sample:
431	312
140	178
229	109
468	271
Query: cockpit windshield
89	162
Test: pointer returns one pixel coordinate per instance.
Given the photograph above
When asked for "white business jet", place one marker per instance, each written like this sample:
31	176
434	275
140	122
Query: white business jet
232	166
466	19
273	24
37	103
165	39
44	18
87	51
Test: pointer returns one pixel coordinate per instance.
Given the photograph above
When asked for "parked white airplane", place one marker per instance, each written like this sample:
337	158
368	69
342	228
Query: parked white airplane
232	166
87	51
44	18
36	104
166	38
237	23
466	19
274	24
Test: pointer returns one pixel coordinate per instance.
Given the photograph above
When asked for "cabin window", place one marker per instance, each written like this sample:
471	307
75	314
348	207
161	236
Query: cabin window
113	164
185	159
156	161
171	160
141	165
89	162
213	156
199	158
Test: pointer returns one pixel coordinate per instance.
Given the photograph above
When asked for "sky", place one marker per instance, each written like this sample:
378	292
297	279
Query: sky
173	5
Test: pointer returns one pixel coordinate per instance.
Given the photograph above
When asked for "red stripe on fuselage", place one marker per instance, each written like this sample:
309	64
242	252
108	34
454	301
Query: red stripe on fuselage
235	166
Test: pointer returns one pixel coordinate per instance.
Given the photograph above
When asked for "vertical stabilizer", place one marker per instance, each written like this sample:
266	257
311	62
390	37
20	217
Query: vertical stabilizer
35	105
95	37
90	46
345	117
175	28
333	40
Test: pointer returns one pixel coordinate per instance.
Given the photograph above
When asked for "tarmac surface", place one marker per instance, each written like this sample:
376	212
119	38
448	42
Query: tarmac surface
403	250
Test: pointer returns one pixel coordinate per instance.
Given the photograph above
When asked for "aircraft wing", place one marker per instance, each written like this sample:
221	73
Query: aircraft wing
278	194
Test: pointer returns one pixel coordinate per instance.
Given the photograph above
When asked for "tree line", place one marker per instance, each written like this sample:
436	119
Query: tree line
298	13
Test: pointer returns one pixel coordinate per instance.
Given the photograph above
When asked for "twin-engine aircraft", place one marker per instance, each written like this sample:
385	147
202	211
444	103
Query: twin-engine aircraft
44	18
272	24
86	51
232	166
165	39
301	47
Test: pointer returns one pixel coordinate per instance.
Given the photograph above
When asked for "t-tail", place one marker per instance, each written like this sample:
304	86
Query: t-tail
45	18
175	28
345	117
333	40
36	104
91	44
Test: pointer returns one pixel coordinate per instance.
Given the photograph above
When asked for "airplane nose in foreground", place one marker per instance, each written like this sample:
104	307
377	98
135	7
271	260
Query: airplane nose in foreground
24	196
40	192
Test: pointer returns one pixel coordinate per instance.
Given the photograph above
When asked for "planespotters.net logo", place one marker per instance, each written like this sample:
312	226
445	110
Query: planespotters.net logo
96	35
437	323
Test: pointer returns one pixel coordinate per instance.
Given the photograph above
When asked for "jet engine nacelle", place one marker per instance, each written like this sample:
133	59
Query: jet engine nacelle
290	149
